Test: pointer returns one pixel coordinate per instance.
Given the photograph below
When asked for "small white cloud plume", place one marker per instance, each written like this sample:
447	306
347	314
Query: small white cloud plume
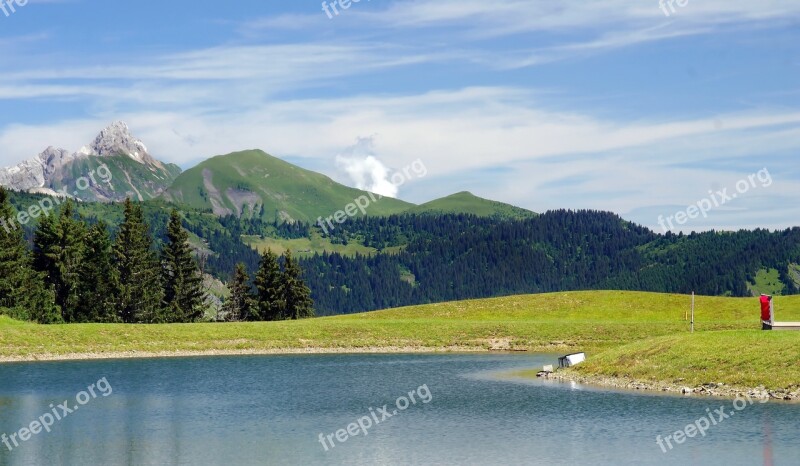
365	170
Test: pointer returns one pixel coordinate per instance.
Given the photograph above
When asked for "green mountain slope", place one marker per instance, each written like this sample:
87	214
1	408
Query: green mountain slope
468	203
128	178
253	184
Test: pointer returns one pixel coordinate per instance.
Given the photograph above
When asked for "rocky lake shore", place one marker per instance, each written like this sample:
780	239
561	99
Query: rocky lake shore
712	389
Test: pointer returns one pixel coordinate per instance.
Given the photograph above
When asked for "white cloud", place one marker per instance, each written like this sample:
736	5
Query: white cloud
212	75
365	170
283	22
561	30
513	16
190	105
451	131
581	27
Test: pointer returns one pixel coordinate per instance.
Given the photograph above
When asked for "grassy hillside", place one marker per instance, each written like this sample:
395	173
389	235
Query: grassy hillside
767	281
743	358
253	183
306	247
642	336
589	321
467	203
794	273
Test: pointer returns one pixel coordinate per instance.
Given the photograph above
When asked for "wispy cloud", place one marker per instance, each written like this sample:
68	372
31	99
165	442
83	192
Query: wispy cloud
13	41
280	64
484	126
447	81
562	30
514	16
282	22
226	78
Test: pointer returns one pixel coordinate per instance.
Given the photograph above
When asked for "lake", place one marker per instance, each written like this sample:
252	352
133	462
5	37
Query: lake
440	409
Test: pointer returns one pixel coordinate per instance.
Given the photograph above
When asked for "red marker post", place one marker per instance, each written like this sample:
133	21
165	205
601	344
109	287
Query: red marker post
766	312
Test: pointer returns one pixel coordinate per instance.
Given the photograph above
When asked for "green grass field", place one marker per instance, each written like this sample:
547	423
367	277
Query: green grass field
767	281
306	247
742	358
639	335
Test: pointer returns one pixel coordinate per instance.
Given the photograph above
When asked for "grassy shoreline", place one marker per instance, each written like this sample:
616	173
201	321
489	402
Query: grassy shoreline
228	352
629	336
721	363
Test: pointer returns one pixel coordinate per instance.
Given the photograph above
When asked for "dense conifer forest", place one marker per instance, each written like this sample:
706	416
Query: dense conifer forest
461	257
145	262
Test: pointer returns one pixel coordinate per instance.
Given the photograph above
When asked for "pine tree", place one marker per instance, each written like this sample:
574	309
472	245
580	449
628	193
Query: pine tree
59	251
183	284
141	294
295	294
239	306
268	279
22	290
99	279
45	237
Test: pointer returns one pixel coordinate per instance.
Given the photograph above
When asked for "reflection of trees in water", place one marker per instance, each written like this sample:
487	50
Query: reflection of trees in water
767	439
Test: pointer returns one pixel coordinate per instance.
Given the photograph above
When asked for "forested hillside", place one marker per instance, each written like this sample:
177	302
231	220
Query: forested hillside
460	257
71	271
429	257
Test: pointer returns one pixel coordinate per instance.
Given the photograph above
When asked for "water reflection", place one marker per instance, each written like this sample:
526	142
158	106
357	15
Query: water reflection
270	410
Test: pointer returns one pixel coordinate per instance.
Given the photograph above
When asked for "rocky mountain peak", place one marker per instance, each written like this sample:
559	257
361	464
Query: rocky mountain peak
117	139
52	159
55	168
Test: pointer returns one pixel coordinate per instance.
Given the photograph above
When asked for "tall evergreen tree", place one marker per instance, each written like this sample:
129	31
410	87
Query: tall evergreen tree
141	294
183	284
239	306
45	238
295	294
22	290
270	305
59	252
99	278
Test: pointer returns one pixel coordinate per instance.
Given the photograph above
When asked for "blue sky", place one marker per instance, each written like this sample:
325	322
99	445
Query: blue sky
546	104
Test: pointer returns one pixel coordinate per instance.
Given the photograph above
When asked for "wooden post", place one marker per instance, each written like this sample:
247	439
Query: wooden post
772	310
692	312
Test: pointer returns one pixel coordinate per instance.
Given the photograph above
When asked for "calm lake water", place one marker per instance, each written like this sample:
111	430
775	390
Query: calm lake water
272	410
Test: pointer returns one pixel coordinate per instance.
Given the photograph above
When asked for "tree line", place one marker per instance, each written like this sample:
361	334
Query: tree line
436	258
280	292
456	257
75	272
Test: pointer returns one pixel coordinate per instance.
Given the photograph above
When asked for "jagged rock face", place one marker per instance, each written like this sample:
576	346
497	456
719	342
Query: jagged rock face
24	176
53	160
34	173
55	169
116	140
